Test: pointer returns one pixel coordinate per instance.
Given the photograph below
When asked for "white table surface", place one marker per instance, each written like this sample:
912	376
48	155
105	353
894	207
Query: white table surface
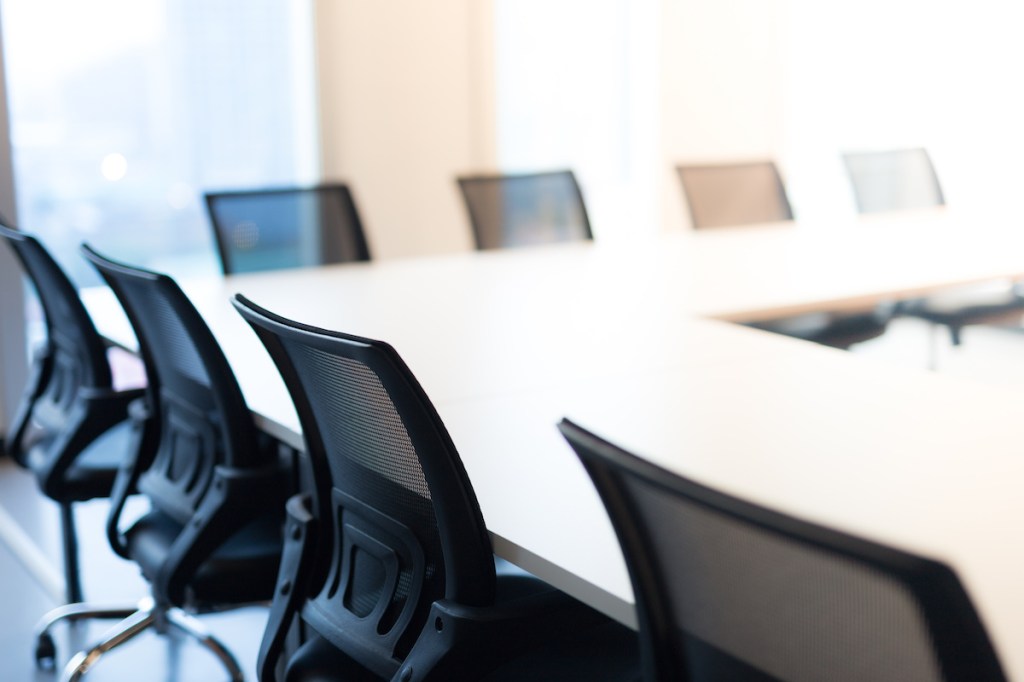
613	337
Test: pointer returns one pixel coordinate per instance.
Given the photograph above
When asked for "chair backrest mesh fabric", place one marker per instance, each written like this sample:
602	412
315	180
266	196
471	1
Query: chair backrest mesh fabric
203	419
286	228
792	611
404	528
726	589
893	180
358	418
724	195
70	331
524	210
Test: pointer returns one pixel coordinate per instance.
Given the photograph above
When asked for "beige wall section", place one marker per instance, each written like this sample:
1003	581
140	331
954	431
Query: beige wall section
405	105
722	87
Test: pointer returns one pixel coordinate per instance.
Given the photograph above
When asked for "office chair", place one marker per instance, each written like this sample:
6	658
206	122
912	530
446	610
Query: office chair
751	193
905	179
726	195
893	180
268	229
728	590
525	209
71	429
387	562
212	536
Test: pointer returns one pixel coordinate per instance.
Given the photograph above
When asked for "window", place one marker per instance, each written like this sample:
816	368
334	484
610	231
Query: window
577	88
124	111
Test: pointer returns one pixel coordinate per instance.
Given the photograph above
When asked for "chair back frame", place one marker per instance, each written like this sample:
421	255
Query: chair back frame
347	246
487	236
743	180
959	640
346	523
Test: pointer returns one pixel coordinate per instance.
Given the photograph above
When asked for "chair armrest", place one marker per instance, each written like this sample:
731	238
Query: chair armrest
110	397
39	376
96	410
296	562
236	497
105	408
465	640
138	458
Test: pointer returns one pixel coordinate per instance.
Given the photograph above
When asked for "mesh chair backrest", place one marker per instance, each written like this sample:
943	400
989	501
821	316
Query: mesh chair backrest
729	590
203	419
725	195
74	357
270	229
524	210
400	524
894	180
79	351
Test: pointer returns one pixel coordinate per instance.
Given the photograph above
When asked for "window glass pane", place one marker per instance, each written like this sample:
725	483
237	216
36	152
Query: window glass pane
124	111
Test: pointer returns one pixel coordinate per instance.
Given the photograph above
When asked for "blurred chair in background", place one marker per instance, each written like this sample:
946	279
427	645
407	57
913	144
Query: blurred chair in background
903	180
893	180
525	209
726	195
752	193
269	229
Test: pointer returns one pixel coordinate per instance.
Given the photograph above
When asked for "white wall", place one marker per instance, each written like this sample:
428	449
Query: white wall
405	106
12	295
802	81
891	73
722	87
577	88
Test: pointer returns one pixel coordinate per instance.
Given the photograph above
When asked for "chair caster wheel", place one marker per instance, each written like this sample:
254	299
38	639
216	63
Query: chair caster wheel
46	652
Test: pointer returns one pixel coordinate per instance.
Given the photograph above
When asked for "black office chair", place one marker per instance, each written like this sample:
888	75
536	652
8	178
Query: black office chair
726	195
71	429
752	193
269	229
728	590
387	563
905	179
212	536
893	180
525	209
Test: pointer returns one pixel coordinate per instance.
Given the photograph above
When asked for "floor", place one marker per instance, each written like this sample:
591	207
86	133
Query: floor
992	355
29	523
30	582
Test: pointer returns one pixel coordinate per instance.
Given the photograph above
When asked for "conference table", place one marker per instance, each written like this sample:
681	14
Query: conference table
636	342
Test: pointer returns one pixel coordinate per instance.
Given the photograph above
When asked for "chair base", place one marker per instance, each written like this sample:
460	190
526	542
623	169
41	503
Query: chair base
836	330
46	651
134	621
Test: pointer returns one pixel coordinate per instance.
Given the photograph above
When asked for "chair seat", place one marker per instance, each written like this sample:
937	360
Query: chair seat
242	570
838	330
986	303
607	651
93	471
